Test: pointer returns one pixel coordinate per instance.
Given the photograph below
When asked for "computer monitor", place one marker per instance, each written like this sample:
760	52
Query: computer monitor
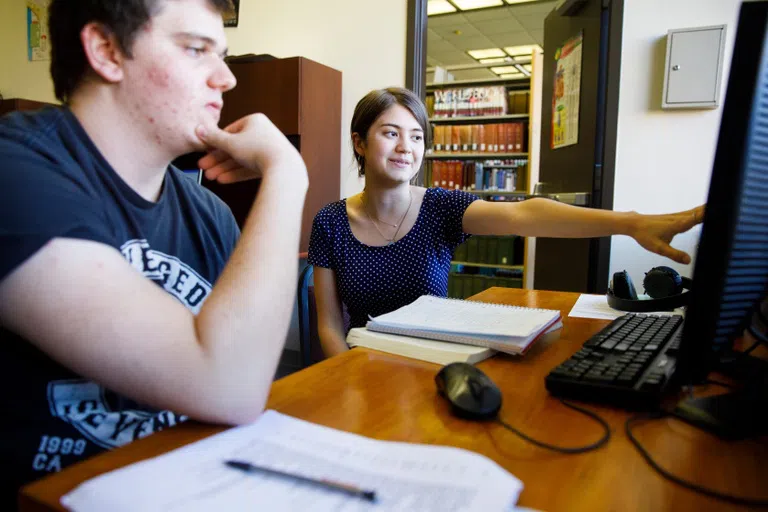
731	269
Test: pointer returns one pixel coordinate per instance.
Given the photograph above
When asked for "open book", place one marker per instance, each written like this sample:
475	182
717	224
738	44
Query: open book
509	329
440	352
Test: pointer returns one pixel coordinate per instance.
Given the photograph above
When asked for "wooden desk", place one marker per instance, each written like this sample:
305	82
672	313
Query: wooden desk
393	398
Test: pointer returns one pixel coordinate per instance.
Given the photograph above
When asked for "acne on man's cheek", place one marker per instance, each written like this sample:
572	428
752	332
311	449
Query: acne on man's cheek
159	77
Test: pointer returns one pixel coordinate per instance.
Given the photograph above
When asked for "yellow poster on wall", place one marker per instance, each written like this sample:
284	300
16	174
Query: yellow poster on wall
567	93
38	42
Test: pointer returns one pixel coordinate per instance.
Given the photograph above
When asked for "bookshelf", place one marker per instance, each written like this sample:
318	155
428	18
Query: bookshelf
480	145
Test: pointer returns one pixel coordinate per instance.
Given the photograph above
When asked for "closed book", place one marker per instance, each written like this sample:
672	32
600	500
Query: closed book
440	352
508	329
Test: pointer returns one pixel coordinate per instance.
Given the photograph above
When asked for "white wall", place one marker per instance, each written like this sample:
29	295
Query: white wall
664	158
364	39
20	78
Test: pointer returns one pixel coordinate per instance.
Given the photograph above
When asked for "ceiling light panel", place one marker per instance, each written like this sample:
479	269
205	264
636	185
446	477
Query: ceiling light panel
488	53
500	70
467	5
511	76
525	49
439	7
519	1
498	60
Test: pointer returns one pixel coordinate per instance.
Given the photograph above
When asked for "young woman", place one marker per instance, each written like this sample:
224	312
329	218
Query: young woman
384	247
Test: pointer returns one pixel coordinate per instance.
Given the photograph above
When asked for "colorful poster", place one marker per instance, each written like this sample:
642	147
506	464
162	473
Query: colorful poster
38	43
565	100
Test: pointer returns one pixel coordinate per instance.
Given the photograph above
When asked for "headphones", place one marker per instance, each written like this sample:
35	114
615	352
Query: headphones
663	284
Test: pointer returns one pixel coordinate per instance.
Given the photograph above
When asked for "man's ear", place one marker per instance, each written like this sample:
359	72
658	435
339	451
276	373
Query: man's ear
103	52
358	143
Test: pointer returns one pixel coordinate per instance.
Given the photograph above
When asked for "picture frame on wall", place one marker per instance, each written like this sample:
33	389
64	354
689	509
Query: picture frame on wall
232	15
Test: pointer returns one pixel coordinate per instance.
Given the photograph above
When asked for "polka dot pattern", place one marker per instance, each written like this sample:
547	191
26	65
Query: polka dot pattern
376	280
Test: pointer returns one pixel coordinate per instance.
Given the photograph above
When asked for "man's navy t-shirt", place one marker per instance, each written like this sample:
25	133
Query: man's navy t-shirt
55	183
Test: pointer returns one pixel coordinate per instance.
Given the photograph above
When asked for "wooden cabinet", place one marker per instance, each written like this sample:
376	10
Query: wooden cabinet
303	99
11	104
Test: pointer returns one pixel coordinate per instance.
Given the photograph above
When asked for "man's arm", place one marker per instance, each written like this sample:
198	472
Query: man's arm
85	306
548	218
330	320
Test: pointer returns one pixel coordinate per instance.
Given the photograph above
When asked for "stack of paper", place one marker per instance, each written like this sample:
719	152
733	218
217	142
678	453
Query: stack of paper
440	352
404	476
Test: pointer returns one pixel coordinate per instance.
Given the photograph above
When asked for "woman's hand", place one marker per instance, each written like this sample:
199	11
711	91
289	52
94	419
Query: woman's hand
248	148
655	232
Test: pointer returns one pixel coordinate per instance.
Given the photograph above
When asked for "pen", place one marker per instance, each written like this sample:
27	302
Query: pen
328	484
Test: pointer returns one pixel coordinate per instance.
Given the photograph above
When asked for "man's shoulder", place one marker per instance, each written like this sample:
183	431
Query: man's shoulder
30	127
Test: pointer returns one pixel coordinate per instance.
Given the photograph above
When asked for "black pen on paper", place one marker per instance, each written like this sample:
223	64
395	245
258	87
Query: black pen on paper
328	484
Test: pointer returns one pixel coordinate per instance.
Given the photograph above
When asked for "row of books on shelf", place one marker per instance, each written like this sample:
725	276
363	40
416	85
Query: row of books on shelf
476	176
490	250
483	138
476	102
461	286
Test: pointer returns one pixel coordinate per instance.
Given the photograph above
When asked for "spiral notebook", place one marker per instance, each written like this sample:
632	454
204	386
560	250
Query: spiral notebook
510	329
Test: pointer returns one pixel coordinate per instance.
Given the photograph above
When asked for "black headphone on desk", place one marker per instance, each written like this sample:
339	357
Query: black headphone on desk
663	284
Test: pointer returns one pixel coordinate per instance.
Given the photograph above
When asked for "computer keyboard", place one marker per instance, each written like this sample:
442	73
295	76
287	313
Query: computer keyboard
629	363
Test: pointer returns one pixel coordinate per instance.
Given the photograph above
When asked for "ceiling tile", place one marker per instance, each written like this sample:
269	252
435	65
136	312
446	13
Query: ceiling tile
431	34
531	22
501	26
537	8
472	74
473	43
446	20
538	35
440	46
449	32
453	58
512	39
487	14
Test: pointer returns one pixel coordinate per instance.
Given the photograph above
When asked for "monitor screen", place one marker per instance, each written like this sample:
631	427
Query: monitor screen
731	270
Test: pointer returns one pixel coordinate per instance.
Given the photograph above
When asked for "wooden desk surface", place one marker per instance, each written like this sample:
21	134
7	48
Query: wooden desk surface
388	397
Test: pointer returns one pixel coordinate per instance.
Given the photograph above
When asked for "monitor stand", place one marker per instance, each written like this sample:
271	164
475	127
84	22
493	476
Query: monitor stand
740	414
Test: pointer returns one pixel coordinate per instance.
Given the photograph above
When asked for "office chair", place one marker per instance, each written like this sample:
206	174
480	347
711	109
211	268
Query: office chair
309	342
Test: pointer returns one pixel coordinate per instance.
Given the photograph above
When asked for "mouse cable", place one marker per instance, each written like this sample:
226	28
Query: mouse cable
561	449
738	500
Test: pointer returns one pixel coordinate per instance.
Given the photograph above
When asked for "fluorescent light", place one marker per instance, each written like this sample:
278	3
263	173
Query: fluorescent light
487	53
439	7
500	70
467	5
511	75
519	1
497	60
525	49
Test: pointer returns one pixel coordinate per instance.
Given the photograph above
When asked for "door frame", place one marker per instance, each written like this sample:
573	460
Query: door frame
416	48
415	80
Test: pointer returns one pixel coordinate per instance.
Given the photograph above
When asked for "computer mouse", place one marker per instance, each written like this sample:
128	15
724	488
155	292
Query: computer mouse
471	393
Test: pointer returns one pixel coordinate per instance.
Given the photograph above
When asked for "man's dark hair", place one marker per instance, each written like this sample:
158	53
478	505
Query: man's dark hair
123	18
376	103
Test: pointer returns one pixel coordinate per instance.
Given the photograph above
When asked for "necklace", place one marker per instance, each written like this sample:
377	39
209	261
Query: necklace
390	241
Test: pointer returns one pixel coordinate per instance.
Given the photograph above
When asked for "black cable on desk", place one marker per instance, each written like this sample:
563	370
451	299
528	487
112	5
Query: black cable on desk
738	500
561	449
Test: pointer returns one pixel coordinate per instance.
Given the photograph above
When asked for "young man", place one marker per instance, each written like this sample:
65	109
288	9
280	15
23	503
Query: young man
127	302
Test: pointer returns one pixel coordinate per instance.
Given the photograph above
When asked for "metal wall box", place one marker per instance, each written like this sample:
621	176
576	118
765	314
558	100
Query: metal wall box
694	67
